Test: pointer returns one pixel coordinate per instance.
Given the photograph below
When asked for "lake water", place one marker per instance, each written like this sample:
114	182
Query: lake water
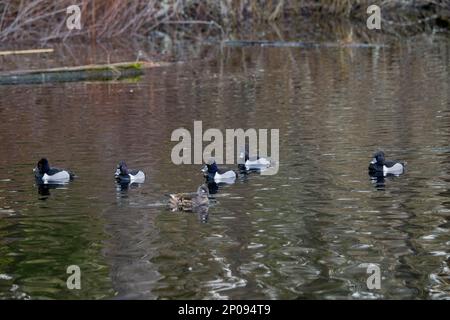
307	232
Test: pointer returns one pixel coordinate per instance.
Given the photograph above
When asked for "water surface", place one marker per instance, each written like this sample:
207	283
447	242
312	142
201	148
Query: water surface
307	232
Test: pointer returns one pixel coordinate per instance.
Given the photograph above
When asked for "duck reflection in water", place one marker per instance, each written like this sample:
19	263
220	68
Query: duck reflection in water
44	189
125	186
213	187
379	179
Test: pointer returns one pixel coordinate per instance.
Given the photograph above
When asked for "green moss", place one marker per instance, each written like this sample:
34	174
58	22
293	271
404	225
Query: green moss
84	73
135	65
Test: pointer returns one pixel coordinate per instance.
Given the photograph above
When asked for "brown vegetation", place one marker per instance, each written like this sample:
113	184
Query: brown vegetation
44	20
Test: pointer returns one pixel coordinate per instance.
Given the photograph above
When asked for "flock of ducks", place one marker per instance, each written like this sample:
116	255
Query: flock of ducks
199	201
196	201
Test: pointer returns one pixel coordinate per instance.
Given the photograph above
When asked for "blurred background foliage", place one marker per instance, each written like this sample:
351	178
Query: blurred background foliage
44	20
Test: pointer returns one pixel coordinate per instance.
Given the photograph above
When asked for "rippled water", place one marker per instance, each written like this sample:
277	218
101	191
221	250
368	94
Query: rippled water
307	232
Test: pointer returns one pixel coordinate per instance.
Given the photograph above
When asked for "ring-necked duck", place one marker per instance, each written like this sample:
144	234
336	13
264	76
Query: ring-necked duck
125	175
380	165
47	175
212	172
253	164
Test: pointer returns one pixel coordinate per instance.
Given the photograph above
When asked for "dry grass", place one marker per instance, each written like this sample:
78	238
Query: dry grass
45	20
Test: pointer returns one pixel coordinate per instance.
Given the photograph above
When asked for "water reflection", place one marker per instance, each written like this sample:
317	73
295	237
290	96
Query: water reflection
123	187
44	189
213	187
379	179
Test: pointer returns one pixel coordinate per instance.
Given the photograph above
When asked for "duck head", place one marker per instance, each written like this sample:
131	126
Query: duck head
377	163
203	190
42	166
378	158
210	168
243	157
122	169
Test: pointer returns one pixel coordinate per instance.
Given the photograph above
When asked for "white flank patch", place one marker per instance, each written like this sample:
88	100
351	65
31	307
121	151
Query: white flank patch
138	178
257	164
62	176
229	175
395	169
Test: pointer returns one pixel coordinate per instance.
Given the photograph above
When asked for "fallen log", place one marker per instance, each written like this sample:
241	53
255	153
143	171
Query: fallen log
104	72
297	44
28	51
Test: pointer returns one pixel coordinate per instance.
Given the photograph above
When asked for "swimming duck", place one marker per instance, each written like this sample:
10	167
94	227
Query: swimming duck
47	175
212	172
197	201
380	165
125	175
254	164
